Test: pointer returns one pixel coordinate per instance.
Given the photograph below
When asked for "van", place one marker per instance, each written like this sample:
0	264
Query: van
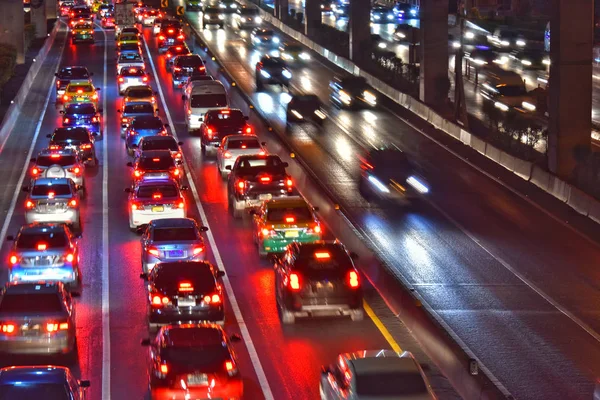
211	95
506	89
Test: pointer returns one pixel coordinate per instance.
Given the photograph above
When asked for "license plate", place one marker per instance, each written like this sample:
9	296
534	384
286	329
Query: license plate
186	303
291	234
175	253
266	196
80	98
197	379
158	209
136	81
42	262
170	40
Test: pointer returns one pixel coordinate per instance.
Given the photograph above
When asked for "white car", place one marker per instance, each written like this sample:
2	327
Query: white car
130	60
155	199
156	26
234	146
195	80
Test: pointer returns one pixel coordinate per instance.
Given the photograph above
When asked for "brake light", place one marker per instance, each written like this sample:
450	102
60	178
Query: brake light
137	206
57	83
164	369
73	203
171	31
124	120
86	146
54	147
29	204
176	172
75	170
353	279
186	287
95	96
42	246
161	37
177	69
261	153
248	129
13	259
79	91
55	327
158	301
55	156
154	251
179	204
289	183
8	328
137	173
66	98
197	250
181	37
230	368
94	119
157	196
169	55
241	185
51	195
290	219
294	281
214	299
66	120
178	155
265	179
322	255
202	68
35	171
69	257
145	79
227	154
153	99
317	229
121	79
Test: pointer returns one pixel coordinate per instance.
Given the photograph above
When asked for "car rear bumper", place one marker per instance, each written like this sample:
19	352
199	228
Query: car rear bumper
151	262
280	245
68	217
233	390
184	314
59	344
138	218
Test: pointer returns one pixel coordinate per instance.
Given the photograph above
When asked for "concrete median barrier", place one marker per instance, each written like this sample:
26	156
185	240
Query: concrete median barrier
540	178
478	144
507	161
493	153
559	188
465	137
581	202
522	168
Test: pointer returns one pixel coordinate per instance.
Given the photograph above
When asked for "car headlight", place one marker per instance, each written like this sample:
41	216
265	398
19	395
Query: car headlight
304	56
505	43
526	62
456	44
258	20
370	97
400	35
390	16
206	17
521	43
377	183
297	114
376	17
265	73
546	61
418	184
287	74
286	56
345	97
222	6
501	106
413	12
221	17
275	39
469	35
320	114
382	45
233	5
528	106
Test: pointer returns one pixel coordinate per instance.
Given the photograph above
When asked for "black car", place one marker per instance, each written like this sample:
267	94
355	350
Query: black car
531	59
254	179
317	279
41	382
77	138
174	51
193	361
66	75
84	115
135	109
305	108
272	70
388	174
182	291
185	66
169	35
483	58
220	123
352	91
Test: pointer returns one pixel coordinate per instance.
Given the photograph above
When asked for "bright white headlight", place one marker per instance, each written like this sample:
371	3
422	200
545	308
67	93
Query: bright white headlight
528	106
521	43
221	17
275	39
304	56
287	74
377	183
421	187
265	73
501	106
258	20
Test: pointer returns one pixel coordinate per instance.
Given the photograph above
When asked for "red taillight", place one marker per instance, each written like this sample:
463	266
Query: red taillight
70	257
95	96
66	120
317	229
158	301
266	232
289	183
124	120
137	173
13	259
137	206
290	220
202	68
121	79
169	55
55	326
241	185
94	119
86	146
181	204
75	170
262	153
176	172
154	252
8	328
214	299
171	31
145	79
177	69
248	129
265	179
227	154
186	287
164	369
161	37
66	98
35	171
230	368
353	281
73	203
181	37
197	250
294	281
157	196
29	204
42	246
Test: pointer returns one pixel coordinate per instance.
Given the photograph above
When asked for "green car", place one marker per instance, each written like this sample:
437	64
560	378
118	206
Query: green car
279	222
194	5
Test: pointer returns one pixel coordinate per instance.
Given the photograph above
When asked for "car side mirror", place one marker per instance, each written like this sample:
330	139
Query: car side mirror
220	274
246	117
26	189
61	112
146	342
235	338
285	165
144	276
354	256
130	164
228	167
128	190
184	187
203	229
183	97
84	384
56	74
10	238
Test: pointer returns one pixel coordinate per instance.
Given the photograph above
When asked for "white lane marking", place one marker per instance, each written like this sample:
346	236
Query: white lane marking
13	203
105	271
260	373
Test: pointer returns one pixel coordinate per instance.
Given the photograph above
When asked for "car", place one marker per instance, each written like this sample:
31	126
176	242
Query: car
53	200
130	60
173	239
305	108
126	29
140	127
76	21
203	97
78	12
279	222
42	381
254	179
485	57
406	33
234	146
341	13
507	37
135	109
65	8
382	15
184	66
141	93
194	80
155	199
506	91
67	74
156	25
293	53
174	51
247	17
131	76
156	165
108	21
264	37
78	139
317	278
272	70
83	114
128	38
45	251
169	35
59	164
159	142
199	355
193	5
213	16
82	32
184	291
218	124
352	91
37	318
106	8
129	47
531	59
228	6
405	10
80	92
388	174
147	17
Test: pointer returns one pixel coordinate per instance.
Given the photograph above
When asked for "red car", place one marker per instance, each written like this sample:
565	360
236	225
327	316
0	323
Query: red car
108	21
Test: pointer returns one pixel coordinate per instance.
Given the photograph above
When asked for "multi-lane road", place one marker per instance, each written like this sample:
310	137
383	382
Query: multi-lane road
515	284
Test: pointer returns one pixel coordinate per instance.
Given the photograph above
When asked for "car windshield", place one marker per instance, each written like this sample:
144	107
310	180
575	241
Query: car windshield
139	109
383	384
249	12
148	192
34	391
282	215
273	62
205	358
133	72
57	190
72	134
166	143
74	73
511	90
52	240
156	163
30	303
139	93
294	48
171	275
250	165
327	263
80	88
226	119
265	32
147	123
208	100
84	108
174	234
62	160
235	144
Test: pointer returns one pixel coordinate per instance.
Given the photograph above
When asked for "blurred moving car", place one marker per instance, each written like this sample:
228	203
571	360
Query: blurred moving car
352	91
305	108
247	17
41	382
272	71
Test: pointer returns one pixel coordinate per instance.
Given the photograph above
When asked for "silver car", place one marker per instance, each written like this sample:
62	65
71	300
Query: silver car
234	146
44	251
130	60
132	76
53	200
172	239
59	164
373	374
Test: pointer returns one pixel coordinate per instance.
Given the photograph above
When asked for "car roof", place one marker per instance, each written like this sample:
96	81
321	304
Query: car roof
51	181
200	334
70	128
173	223
33	287
37	374
285	202
209	87
379	361
37	227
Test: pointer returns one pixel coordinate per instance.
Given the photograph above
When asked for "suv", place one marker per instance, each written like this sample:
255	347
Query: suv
315	279
218	124
78	139
254	179
59	164
53	200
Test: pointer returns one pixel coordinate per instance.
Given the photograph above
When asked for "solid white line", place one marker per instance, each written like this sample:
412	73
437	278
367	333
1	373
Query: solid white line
13	203
260	373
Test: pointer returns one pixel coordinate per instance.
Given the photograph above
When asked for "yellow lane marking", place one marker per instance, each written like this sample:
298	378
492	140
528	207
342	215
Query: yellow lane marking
386	334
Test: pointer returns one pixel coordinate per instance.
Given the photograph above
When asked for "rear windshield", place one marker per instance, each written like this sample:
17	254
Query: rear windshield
232	118
336	266
265	32
128	36
510	91
159	144
189	61
208	100
73	134
278	215
139	109
45	190
394	384
34	391
51	240
156	163
74	73
128	46
357	83
132	72
174	234
249	11
77	88
212	10
31	303
130	57
63	161
84	108
204	358
261	163
146	192
147	123
142	92
200	276
243	144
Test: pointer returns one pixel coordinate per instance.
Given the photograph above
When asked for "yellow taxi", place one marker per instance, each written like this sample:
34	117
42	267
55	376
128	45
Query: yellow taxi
80	92
140	93
126	38
82	32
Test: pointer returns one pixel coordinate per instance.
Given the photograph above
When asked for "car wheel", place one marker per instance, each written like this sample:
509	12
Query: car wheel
357	315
